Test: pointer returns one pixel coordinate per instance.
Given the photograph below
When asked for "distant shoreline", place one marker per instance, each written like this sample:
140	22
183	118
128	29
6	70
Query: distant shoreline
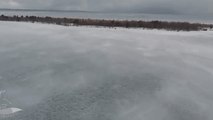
174	26
42	10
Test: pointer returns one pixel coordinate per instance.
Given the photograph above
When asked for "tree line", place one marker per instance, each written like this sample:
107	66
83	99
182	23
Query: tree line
177	26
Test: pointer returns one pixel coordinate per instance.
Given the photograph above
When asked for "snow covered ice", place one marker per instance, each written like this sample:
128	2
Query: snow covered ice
88	73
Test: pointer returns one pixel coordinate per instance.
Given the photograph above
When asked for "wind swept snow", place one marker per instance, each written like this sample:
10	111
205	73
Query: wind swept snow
9	111
87	73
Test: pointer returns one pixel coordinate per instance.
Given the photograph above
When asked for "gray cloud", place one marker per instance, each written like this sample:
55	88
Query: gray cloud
152	6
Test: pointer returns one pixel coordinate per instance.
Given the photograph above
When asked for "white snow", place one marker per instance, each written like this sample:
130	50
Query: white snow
14	110
9	111
152	74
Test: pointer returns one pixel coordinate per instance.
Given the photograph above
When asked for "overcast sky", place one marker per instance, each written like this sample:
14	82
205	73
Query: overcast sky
150	6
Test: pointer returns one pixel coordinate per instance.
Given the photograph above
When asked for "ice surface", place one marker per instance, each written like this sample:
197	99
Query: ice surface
87	73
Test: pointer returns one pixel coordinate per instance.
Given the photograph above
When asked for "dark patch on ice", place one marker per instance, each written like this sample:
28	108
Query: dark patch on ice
97	101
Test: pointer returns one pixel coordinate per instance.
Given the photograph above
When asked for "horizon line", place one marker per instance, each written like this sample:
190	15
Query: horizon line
53	10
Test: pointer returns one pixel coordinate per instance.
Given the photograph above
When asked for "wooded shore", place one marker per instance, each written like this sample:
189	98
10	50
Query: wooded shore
175	26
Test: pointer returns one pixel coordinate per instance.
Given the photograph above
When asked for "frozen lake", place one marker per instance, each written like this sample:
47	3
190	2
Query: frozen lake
88	73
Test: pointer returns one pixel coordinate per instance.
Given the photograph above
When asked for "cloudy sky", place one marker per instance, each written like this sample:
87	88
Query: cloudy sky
150	6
